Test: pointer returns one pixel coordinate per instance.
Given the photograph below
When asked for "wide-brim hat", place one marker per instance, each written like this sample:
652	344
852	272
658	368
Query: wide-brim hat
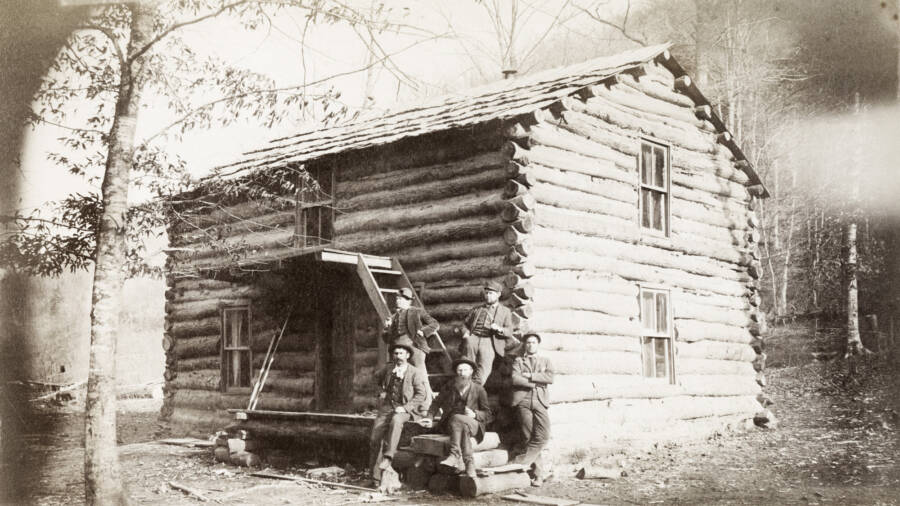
494	286
402	342
462	361
530	334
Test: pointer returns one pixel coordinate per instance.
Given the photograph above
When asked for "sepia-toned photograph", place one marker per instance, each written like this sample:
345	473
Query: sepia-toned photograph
450	252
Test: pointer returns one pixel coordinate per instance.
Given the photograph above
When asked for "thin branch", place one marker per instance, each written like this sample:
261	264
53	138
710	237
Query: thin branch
137	54
112	39
185	117
623	29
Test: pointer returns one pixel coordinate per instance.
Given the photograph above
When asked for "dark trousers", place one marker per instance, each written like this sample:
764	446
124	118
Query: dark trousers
534	422
387	428
481	351
462	429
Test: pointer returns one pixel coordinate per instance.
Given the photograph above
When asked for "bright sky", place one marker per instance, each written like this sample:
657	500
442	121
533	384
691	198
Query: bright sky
443	46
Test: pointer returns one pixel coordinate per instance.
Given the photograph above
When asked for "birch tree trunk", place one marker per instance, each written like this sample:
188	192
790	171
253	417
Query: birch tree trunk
102	481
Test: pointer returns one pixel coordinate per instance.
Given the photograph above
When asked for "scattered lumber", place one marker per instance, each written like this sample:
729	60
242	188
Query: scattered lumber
539	499
276	476
190	491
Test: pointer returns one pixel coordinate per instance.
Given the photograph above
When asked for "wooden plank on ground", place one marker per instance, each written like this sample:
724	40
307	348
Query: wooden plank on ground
506	468
540	499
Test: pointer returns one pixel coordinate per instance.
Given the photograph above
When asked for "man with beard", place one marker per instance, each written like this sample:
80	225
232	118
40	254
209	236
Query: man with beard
404	396
465	412
412	322
485	332
531	373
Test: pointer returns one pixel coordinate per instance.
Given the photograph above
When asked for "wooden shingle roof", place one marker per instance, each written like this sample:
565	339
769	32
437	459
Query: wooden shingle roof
499	100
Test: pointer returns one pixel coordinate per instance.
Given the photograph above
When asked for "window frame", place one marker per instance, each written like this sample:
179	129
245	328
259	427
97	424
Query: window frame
225	349
308	201
665	191
651	336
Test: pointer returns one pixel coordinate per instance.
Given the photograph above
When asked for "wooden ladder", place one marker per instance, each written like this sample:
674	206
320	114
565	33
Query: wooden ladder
382	285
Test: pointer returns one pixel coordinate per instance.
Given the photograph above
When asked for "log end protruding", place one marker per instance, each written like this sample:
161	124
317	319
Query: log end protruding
756	190
516	131
525	201
515	152
524	224
683	84
754	270
514	188
663	57
703	112
562	105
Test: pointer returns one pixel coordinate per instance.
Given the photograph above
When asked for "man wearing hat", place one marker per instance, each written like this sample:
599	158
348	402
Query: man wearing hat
413	323
531	373
465	412
404	396
485	331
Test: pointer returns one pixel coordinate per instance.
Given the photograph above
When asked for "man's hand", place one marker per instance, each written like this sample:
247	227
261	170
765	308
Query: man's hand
469	412
387	322
426	422
420	333
527	374
382	395
399	409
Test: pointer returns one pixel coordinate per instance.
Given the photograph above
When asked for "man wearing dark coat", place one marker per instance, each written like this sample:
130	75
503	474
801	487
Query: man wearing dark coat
412	322
465	412
531	373
486	330
405	395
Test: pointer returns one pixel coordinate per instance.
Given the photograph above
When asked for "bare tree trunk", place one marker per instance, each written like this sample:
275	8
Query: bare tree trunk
103	484
854	343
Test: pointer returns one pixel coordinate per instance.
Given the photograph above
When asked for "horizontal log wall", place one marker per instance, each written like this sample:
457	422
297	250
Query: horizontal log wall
590	256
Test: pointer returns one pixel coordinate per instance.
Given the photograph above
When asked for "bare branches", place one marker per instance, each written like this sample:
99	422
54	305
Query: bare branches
621	27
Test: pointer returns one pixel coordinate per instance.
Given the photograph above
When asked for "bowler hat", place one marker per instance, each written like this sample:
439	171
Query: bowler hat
494	286
406	293
462	361
402	342
529	334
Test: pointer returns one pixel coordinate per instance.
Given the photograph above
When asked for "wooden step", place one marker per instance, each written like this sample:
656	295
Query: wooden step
388	290
385	271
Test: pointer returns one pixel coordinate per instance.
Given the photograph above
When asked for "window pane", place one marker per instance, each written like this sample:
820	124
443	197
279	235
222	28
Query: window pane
237	368
647	356
646	208
661	357
662	319
659	166
656	220
648	311
646	164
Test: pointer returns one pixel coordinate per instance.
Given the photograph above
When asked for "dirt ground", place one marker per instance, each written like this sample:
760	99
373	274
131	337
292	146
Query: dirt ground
835	444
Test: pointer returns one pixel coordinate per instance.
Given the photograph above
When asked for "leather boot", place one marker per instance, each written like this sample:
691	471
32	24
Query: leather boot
453	460
470	467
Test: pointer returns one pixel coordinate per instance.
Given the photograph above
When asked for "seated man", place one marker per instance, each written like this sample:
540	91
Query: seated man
465	409
404	396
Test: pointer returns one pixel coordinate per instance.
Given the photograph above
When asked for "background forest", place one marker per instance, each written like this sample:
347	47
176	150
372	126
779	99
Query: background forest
808	88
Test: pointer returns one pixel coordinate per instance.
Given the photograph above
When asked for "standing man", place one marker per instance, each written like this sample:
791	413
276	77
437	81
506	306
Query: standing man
465	412
485	331
413	323
531	374
403	397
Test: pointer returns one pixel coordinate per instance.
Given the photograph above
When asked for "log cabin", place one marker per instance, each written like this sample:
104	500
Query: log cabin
608	197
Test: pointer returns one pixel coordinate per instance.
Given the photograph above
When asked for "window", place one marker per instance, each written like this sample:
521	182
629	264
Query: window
654	203
236	359
315	208
656	334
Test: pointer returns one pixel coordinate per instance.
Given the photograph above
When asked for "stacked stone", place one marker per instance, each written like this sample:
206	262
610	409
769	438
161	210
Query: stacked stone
238	450
418	464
